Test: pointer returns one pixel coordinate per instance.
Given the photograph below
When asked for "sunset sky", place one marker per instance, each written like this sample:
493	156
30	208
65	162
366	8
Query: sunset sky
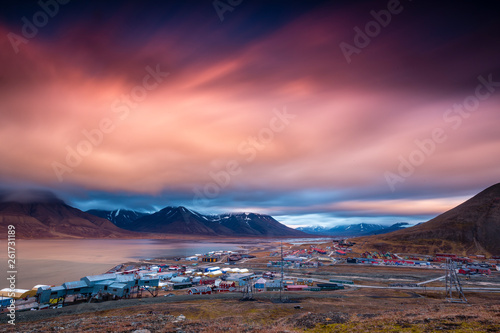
311	111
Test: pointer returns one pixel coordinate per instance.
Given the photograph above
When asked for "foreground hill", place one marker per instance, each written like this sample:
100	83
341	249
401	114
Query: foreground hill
353	230
42	215
472	227
181	220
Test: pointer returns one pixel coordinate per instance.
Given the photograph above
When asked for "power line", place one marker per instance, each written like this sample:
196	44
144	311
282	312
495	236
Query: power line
453	285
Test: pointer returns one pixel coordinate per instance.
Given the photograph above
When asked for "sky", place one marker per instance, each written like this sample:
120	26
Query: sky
316	112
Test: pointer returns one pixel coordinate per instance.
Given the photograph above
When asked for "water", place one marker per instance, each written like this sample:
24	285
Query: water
301	241
54	262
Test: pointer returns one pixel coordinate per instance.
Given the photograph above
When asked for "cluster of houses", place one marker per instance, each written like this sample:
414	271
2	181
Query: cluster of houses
259	284
310	253
215	256
388	262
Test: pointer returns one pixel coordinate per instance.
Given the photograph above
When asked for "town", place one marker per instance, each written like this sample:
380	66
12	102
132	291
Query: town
286	268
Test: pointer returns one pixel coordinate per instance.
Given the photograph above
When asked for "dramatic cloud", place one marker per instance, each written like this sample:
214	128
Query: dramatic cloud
154	107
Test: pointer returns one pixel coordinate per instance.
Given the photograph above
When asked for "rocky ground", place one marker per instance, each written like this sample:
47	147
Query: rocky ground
336	311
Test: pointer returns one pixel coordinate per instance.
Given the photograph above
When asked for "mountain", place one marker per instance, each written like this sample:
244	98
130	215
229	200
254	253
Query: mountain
181	220
255	225
391	228
472	227
353	230
120	217
314	230
37	214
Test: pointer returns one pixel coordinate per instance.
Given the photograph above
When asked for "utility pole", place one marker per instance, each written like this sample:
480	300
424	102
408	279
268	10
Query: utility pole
281	264
453	283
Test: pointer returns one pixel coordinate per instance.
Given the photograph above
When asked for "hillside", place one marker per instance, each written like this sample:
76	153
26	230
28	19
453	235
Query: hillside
181	220
472	227
39	214
42	215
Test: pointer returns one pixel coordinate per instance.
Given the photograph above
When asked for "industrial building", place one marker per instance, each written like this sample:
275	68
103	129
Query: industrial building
115	285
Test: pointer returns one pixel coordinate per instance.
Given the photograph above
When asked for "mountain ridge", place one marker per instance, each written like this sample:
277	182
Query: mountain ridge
182	220
55	219
353	230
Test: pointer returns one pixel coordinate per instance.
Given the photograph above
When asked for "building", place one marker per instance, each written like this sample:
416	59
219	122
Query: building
209	259
180	279
166	275
206	281
201	290
464	271
17	293
307	282
216	273
479	270
273	285
446	255
342	281
223	287
330	286
260	284
77	287
296	287
182	285
5	301
240	279
318	250
117	285
293	259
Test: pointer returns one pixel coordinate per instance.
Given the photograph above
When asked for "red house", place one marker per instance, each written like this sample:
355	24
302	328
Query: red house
464	271
480	270
225	287
296	287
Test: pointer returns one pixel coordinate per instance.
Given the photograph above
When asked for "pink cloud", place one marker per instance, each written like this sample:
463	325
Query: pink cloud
352	121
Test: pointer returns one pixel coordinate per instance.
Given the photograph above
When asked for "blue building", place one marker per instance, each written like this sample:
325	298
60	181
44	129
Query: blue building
105	284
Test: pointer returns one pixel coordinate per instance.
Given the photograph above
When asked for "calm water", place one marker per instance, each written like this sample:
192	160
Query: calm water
58	261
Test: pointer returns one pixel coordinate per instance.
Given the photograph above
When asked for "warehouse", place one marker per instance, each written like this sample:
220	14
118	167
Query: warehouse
77	287
240	279
330	286
118	285
182	285
17	293
201	290
210	259
273	285
296	287
180	279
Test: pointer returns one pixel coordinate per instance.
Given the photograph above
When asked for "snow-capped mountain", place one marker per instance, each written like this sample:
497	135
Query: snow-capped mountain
38	214
351	230
120	217
181	220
